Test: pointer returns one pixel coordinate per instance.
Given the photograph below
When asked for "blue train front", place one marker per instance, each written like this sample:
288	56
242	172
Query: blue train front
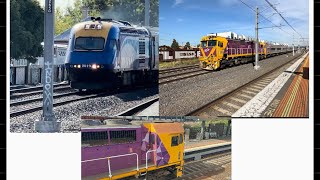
105	53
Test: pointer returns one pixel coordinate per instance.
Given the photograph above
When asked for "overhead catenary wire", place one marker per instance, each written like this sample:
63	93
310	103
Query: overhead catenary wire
274	8
263	16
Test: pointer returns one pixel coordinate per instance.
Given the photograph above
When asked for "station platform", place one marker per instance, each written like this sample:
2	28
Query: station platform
195	144
286	96
295	99
152	110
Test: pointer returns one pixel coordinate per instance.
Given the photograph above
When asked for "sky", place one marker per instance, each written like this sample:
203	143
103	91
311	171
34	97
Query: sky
189	20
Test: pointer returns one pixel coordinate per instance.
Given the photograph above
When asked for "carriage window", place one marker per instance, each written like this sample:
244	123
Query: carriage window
212	43
174	141
203	43
142	47
125	136
181	139
94	138
89	43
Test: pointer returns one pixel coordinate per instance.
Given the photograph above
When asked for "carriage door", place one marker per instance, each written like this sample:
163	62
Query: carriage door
152	52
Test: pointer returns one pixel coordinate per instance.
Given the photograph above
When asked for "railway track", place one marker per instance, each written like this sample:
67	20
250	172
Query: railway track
36	91
55	104
181	76
207	161
82	96
177	69
16	103
230	102
36	88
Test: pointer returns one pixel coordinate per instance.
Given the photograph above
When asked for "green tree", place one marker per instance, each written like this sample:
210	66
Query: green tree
187	45
126	10
175	44
198	45
26	29
72	15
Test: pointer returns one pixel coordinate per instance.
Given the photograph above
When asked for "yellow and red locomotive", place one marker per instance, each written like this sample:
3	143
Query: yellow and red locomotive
218	51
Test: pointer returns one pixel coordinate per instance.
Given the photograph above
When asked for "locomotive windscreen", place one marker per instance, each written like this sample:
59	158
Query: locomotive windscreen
212	43
89	43
203	43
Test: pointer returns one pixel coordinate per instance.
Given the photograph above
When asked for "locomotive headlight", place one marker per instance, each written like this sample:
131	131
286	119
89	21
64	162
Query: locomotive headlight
78	66
98	66
94	66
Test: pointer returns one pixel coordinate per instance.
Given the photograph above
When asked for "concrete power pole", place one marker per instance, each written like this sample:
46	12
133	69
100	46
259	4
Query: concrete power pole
147	13
256	66
293	45
48	122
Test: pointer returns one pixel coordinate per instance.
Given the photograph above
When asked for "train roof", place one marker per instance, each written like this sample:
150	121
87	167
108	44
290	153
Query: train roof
113	126
166	127
124	26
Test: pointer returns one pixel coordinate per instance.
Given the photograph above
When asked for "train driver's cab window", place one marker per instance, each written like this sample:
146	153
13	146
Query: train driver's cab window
220	44
121	137
89	43
203	43
94	138
212	43
174	141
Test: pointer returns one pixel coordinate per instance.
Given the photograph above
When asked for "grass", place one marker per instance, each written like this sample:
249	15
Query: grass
177	63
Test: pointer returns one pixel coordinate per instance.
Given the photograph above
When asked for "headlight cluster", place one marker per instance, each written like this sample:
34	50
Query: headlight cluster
87	66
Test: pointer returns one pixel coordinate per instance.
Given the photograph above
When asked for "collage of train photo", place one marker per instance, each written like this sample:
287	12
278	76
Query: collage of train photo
153	86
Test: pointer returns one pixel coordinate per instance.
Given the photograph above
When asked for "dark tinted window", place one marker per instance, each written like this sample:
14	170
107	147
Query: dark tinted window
89	43
212	43
94	138
125	136
203	43
174	141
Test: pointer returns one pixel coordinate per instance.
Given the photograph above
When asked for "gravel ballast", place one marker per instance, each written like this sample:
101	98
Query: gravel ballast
70	114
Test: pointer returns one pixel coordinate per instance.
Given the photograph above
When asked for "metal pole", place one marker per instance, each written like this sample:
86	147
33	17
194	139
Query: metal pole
147	13
293	45
48	122
256	67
